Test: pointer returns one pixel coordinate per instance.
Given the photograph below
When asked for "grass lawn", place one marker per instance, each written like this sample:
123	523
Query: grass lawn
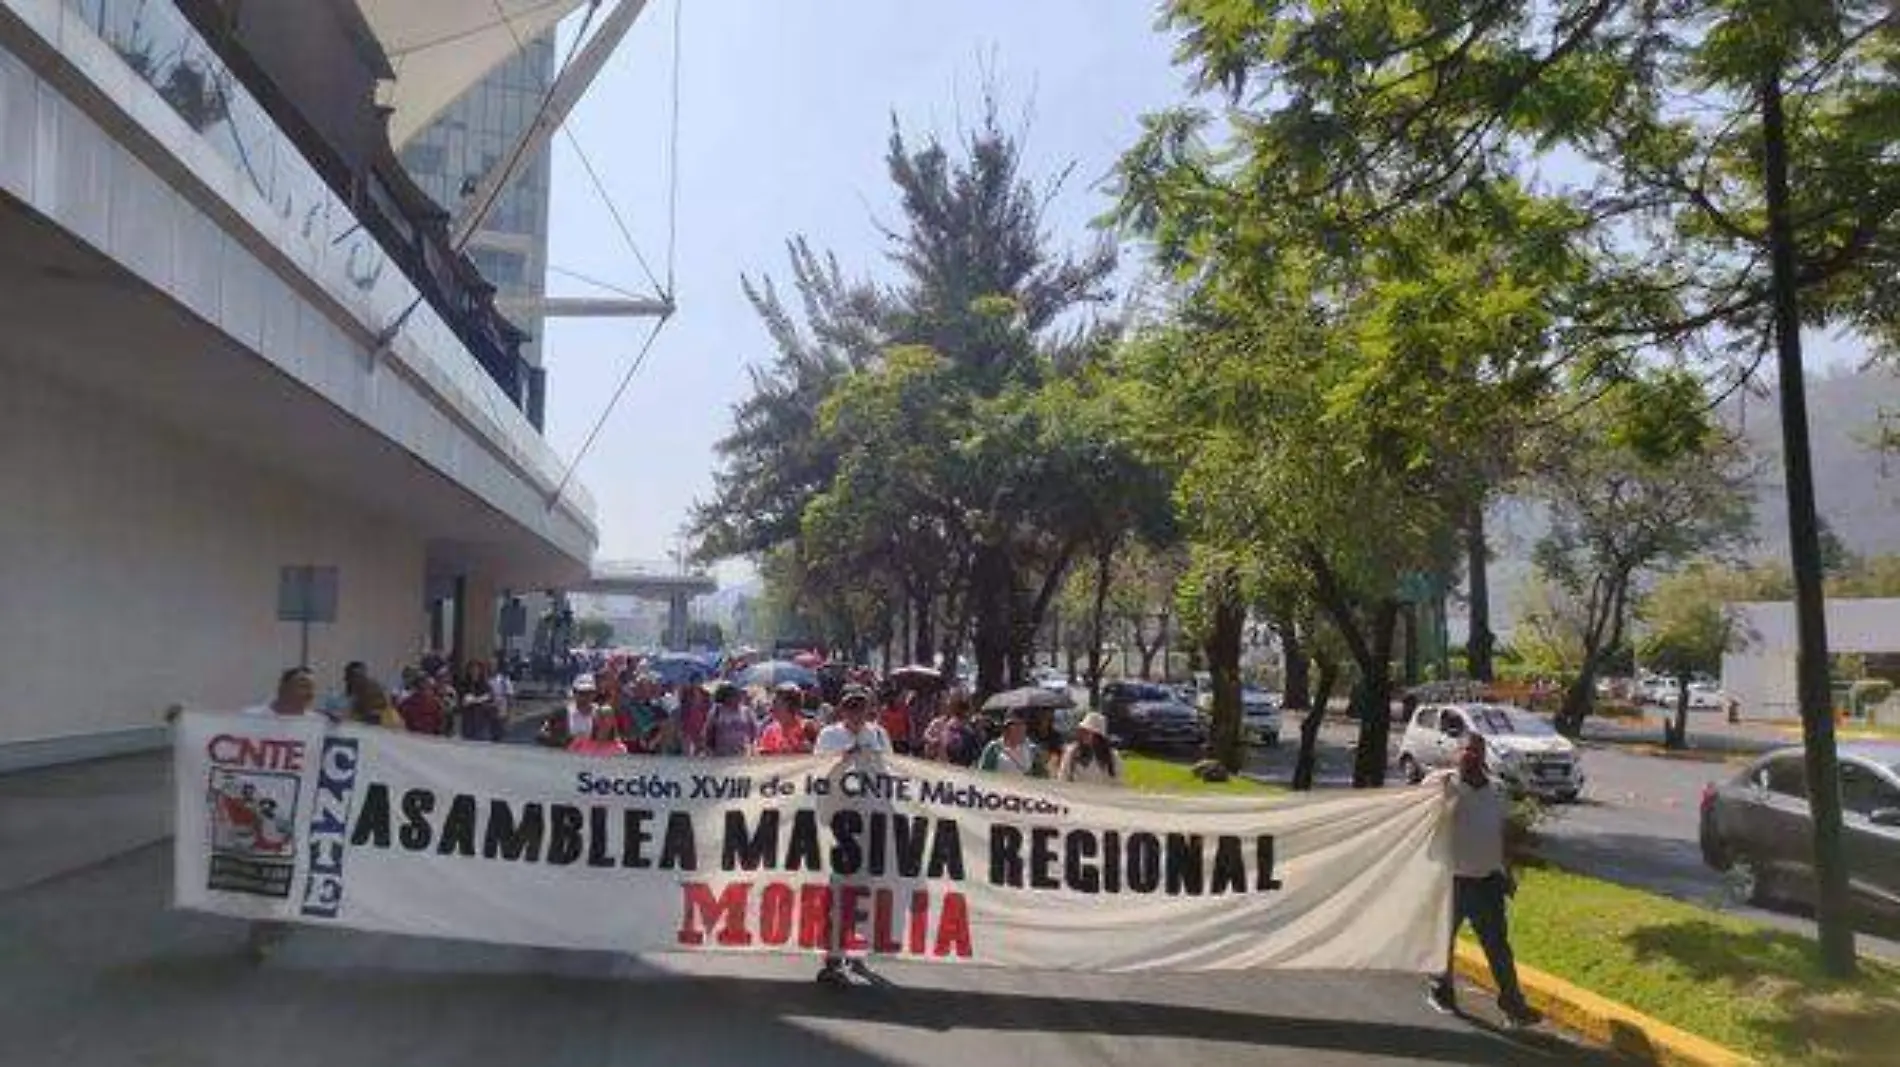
1754	989
1152	775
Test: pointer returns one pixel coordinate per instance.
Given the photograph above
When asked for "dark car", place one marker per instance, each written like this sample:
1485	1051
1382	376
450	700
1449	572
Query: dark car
1143	715
1756	827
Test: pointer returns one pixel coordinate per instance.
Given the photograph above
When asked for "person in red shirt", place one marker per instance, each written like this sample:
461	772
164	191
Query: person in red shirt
785	735
422	710
895	718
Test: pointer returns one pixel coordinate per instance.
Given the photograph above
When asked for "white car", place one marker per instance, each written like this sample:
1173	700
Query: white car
1705	696
1521	749
1051	679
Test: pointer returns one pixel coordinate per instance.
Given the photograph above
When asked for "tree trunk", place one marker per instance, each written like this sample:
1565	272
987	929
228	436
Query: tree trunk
991	580
926	631
1479	644
1104	560
1223	655
1411	644
1375	705
1297	669
1676	735
1305	763
1804	543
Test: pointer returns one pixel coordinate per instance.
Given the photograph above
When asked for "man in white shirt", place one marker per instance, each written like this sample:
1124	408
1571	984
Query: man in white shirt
1480	881
853	732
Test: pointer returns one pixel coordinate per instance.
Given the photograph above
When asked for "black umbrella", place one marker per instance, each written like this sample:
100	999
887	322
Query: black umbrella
1029	698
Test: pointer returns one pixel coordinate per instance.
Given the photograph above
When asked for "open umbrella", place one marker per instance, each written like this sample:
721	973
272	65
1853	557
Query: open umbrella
672	668
1028	698
777	672
917	676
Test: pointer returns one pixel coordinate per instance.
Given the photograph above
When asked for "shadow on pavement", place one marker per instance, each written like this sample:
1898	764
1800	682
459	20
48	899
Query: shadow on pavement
211	1003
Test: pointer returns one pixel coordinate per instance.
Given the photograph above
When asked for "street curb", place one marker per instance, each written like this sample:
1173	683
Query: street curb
1622	1028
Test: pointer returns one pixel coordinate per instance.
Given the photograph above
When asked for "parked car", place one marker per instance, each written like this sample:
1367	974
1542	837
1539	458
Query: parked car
1522	750
1051	679
1145	715
1757	830
1260	717
1705	696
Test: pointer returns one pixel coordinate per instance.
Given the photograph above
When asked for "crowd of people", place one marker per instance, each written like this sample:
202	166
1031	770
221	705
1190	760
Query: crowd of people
617	708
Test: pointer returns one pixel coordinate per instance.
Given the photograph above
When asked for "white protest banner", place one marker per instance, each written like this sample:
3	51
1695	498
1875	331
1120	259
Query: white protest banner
294	819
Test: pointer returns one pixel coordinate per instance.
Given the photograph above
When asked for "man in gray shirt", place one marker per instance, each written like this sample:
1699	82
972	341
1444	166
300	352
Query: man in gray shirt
1480	881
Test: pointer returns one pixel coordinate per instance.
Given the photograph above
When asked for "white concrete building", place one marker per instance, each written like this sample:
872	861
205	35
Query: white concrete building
1762	674
232	340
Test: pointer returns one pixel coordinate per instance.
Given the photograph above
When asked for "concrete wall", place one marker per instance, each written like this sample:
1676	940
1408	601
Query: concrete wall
1762	674
139	568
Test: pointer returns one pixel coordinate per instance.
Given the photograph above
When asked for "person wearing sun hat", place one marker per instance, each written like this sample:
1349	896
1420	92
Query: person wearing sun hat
1090	758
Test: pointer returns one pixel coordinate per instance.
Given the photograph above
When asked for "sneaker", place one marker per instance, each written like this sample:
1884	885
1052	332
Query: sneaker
832	974
1520	1017
1440	1001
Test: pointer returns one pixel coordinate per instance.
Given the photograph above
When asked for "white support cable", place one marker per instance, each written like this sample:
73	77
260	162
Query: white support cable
389	332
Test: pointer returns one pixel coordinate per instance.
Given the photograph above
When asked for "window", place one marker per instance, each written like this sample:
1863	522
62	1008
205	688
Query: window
1786	775
426	159
1863	791
1427	719
1454	723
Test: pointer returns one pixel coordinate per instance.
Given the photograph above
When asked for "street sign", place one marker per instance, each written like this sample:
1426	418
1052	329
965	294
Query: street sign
306	594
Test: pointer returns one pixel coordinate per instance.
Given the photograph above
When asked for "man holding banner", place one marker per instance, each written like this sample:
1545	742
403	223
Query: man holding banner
1480	881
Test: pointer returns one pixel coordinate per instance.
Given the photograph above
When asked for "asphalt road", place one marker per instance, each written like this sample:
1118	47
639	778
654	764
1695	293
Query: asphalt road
1636	823
97	969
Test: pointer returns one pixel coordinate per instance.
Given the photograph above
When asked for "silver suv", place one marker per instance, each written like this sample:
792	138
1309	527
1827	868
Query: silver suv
1521	750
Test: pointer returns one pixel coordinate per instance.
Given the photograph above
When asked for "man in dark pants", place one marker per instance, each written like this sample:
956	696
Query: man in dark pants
1480	882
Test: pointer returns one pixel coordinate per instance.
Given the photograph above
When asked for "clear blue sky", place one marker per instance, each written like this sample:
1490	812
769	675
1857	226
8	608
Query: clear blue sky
785	110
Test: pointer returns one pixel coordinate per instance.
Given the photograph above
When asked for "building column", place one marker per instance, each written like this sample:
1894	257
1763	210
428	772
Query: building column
676	622
478	602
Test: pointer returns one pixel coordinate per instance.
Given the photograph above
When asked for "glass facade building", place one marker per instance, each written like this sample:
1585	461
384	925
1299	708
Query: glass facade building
448	160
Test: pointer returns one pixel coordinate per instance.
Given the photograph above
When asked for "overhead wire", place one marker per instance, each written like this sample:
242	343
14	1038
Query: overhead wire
673	154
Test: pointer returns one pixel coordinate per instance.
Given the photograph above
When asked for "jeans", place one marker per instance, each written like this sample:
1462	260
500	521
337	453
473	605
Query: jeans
1480	901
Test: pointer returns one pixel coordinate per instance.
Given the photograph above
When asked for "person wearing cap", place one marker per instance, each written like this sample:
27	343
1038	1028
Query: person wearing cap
854	731
1012	753
1090	758
561	729
730	728
785	734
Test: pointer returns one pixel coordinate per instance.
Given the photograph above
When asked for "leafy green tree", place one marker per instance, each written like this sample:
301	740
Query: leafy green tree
1737	183
1642	480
